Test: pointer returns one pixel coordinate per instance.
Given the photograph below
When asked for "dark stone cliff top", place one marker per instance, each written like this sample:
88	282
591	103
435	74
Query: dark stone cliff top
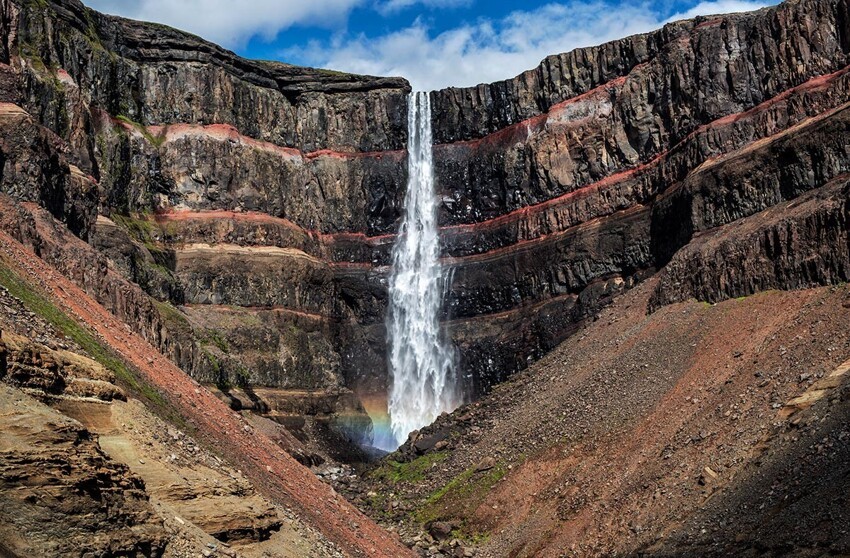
770	38
153	42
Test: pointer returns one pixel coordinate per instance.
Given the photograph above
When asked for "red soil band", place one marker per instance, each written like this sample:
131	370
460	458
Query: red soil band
227	132
814	84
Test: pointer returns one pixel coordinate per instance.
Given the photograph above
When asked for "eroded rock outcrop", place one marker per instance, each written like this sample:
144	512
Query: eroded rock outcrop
61	495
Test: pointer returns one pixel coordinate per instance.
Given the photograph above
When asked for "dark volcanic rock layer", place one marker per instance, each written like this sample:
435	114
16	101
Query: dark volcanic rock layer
272	175
575	180
257	202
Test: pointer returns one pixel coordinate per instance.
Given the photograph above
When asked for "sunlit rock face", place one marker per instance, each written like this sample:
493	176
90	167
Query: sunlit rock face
567	184
261	201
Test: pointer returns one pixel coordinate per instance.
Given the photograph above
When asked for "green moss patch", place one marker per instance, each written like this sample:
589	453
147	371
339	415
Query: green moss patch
145	231
411	472
173	318
460	497
138	226
155	140
215	338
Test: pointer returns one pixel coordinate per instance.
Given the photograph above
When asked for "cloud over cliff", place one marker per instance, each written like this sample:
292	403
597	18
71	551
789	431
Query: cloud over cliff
483	50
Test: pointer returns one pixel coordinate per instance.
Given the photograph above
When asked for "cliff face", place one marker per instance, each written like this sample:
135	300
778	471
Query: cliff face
257	202
253	195
577	179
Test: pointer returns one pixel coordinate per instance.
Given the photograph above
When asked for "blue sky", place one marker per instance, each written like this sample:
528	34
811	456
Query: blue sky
433	43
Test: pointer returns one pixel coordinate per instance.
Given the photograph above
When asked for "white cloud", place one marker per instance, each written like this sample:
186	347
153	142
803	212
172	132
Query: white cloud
492	50
471	53
226	22
386	7
720	7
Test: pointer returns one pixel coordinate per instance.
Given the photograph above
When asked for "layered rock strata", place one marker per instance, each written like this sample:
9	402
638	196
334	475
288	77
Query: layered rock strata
260	200
577	179
62	495
88	470
117	119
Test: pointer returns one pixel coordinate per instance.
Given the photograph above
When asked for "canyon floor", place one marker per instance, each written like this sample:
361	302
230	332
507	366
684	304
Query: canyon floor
700	429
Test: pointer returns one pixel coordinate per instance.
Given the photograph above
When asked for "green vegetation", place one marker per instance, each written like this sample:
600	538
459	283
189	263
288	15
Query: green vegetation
215	363
223	381
144	230
40	305
173	317
46	71
378	503
460	496
334	73
138	226
414	471
214	337
155	140
469	536
91	32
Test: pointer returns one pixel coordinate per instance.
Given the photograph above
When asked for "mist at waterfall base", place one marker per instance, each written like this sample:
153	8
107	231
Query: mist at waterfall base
421	362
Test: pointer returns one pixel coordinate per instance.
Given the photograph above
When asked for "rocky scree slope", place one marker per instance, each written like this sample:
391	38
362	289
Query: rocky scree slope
239	216
698	430
87	468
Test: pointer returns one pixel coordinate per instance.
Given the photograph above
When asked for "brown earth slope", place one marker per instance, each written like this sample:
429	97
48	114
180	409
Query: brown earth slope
696	430
86	468
272	470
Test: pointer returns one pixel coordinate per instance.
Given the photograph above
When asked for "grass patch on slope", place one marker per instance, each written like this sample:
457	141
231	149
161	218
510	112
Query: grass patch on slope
139	227
460	497
155	140
215	338
173	317
144	231
414	471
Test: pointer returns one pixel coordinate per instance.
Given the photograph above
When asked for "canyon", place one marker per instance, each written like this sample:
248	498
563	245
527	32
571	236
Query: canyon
642	239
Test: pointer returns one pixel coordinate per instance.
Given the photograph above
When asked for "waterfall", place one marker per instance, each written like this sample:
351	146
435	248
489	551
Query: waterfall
421	363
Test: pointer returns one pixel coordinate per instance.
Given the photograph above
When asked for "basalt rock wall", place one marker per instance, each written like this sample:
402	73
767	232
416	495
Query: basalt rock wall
571	182
254	191
258	202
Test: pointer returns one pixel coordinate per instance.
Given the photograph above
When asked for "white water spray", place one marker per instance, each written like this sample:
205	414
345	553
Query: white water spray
421	364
